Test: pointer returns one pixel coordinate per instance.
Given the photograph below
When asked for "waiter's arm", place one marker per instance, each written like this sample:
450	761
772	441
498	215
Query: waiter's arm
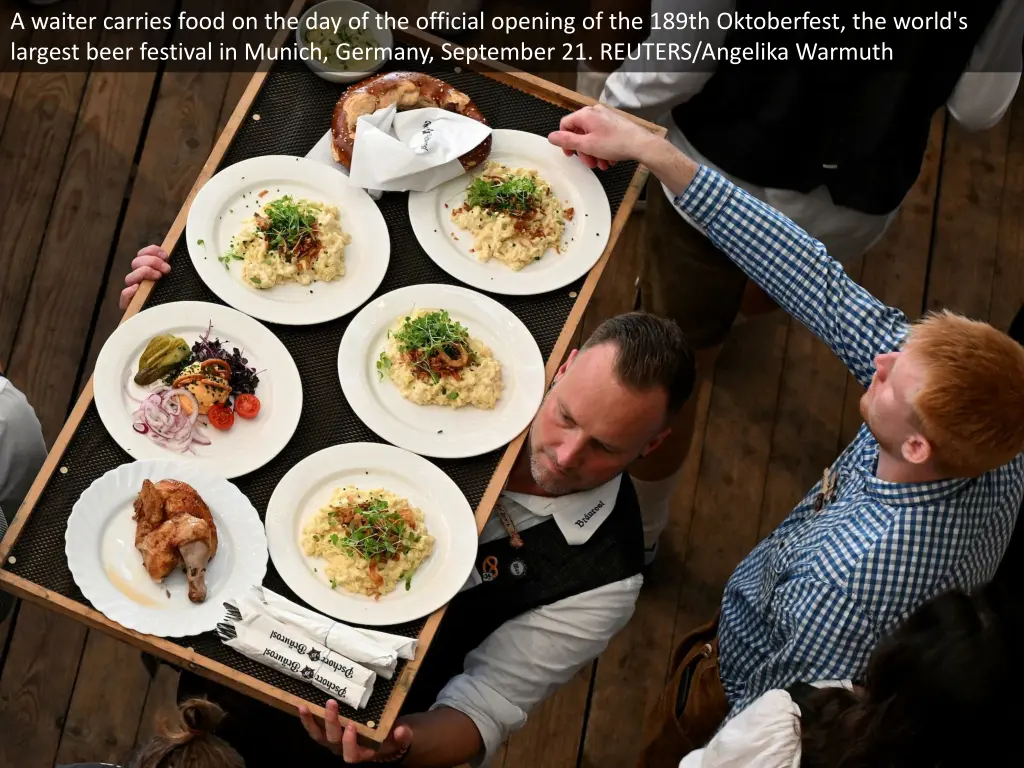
791	266
526	659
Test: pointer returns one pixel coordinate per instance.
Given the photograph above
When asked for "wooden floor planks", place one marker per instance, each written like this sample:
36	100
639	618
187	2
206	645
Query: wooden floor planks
779	408
964	251
75	253
42	114
108	701
35	688
181	133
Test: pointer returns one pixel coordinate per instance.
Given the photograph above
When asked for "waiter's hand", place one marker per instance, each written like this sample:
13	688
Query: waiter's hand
600	137
342	740
149	264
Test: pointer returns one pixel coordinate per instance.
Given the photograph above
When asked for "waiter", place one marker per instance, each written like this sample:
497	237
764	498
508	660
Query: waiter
557	572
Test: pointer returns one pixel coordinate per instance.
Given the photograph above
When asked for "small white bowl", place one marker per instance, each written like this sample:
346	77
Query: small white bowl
344	9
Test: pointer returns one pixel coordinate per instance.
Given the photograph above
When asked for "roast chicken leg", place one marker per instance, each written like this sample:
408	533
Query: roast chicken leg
174	527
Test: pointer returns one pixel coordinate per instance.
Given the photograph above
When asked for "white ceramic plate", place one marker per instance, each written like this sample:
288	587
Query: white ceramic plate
106	566
250	443
308	486
219	212
573	184
435	430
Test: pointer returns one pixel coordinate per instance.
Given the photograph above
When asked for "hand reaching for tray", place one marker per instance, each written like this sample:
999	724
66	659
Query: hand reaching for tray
149	264
600	137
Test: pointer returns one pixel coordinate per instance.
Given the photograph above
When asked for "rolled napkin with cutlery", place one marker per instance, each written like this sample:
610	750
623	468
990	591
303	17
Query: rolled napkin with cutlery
381	657
278	645
412	150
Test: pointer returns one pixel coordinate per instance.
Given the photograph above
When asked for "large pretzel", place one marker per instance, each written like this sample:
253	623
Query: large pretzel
409	90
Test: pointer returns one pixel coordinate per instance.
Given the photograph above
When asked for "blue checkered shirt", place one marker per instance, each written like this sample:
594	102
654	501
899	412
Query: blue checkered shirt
811	601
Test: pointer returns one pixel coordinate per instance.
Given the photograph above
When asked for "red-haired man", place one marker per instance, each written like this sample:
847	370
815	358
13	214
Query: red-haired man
923	500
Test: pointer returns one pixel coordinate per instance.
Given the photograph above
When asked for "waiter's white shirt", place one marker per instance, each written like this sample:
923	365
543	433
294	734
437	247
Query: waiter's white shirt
764	735
526	659
982	96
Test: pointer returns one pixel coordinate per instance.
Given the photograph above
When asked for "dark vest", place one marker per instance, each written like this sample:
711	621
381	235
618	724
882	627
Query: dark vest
860	129
544	570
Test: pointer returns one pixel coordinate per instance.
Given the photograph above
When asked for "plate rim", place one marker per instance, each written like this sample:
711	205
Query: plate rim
104	371
380	261
518	286
171	624
396	437
280	515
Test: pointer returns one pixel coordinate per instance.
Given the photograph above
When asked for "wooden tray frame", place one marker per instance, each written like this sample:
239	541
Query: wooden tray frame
187	658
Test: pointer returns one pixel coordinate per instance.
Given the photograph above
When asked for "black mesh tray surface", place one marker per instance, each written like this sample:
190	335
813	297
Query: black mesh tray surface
294	108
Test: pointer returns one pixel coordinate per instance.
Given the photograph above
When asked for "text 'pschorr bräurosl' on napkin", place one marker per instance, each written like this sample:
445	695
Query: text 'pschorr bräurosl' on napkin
284	648
379	651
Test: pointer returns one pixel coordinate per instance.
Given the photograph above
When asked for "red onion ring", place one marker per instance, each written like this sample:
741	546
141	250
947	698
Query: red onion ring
167	423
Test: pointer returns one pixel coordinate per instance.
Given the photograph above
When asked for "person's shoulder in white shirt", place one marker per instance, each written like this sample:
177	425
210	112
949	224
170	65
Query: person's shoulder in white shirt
22	448
764	735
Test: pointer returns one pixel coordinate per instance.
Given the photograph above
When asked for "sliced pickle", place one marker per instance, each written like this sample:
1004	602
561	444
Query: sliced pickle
161	356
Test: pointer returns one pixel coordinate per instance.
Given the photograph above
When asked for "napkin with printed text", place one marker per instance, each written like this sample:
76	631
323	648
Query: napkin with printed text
340	660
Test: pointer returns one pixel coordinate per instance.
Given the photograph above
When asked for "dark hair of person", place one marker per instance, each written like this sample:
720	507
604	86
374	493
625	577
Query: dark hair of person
188	741
652	353
943	689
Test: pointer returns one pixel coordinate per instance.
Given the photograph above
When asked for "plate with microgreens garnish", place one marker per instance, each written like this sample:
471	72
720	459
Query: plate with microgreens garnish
371	534
288	240
441	370
531	220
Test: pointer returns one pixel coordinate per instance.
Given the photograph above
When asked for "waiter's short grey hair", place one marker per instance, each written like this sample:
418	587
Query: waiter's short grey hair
652	352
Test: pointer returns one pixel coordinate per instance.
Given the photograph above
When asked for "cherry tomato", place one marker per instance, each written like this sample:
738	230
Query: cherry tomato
247	406
221	416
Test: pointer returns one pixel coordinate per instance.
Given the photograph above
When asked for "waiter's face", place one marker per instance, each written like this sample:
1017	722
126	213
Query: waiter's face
590	427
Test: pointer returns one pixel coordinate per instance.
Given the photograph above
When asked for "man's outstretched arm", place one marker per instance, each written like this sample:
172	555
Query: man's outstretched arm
791	266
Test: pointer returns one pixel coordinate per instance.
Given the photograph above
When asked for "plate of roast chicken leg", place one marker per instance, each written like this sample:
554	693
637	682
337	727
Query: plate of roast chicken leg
157	546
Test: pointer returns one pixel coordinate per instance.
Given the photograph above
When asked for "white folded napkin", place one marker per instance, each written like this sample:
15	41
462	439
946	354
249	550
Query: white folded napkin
405	647
278	646
321	152
382	658
413	150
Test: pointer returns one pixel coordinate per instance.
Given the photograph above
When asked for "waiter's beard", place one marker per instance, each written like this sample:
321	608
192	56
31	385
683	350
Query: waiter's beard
555	485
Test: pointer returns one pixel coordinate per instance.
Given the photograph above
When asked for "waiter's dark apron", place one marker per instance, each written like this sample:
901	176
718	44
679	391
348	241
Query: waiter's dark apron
543	571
